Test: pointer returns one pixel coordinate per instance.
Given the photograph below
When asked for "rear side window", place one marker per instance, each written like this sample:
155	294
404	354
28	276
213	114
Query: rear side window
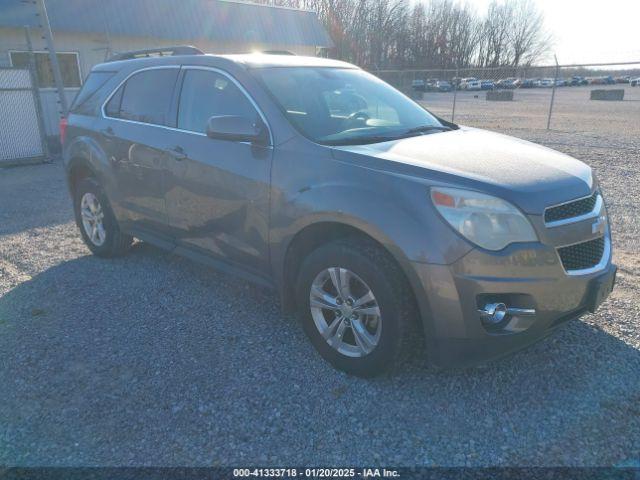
206	94
86	100
145	97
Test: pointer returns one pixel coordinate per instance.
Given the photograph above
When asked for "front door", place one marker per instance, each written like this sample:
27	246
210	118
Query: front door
218	195
135	139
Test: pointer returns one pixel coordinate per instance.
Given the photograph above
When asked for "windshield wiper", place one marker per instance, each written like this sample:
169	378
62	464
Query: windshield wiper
427	128
366	139
362	140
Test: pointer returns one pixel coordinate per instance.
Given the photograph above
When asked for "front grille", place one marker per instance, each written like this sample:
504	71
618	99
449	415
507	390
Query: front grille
582	255
571	209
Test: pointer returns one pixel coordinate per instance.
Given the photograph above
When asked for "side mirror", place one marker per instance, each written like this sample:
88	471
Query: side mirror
236	129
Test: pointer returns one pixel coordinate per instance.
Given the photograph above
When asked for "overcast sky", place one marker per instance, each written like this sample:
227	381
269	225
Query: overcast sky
590	30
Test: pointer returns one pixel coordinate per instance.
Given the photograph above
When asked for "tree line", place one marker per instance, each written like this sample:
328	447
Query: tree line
431	33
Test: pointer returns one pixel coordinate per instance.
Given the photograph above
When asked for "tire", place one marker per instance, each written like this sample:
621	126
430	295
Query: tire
111	242
370	267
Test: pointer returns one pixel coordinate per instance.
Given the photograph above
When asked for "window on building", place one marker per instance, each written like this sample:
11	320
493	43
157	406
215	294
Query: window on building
146	97
206	94
68	68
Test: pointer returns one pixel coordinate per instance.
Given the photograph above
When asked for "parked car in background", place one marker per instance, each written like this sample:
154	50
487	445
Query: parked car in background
623	79
443	86
561	82
508	83
577	81
605	80
485	242
470	84
635	82
528	83
431	84
545	83
418	85
487	85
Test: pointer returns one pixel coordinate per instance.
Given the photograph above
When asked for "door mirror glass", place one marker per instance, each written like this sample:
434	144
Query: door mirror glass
235	128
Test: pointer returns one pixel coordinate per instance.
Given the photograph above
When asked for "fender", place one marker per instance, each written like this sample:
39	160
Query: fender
85	150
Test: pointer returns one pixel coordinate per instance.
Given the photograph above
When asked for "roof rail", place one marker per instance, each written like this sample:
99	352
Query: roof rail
277	52
157	52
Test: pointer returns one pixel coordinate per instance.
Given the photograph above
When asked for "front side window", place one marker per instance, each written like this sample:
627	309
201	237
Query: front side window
337	106
145	97
206	94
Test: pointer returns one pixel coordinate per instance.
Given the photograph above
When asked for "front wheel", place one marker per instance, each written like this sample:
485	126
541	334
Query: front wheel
355	305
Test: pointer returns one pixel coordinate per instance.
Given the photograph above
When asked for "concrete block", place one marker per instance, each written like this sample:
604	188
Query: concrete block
500	95
616	95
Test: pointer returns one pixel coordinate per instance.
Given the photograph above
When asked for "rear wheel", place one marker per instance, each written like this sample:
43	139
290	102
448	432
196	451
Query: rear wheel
97	224
355	305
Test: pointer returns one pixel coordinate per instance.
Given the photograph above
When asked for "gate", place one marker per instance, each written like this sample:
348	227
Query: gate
21	134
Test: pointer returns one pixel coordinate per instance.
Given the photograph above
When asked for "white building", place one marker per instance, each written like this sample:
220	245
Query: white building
86	32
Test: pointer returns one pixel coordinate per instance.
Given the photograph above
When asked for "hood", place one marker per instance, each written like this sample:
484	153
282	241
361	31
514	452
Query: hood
528	175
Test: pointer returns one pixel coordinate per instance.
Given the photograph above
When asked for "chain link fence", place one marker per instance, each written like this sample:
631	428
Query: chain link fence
21	132
513	98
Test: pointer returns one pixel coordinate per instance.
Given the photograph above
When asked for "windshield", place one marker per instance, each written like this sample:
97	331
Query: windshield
336	106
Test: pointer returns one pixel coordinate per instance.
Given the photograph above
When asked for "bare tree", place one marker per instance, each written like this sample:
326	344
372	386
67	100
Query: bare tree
431	33
528	37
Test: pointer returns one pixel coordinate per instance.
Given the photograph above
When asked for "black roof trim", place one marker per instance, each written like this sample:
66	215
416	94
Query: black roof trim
157	52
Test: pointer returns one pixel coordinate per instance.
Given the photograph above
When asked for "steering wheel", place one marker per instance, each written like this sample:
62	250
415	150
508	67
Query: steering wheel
360	116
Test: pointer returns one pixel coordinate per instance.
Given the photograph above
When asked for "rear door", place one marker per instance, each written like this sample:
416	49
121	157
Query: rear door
135	135
218	200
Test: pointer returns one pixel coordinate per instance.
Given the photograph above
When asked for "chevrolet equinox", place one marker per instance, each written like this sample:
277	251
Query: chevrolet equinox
368	214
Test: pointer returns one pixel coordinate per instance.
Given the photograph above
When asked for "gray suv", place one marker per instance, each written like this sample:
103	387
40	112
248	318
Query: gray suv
373	218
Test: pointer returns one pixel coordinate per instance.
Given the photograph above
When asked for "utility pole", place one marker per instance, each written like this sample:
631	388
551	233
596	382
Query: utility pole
36	93
553	92
456	84
53	58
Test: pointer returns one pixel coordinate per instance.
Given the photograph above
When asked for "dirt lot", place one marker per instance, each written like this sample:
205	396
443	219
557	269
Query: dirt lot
154	360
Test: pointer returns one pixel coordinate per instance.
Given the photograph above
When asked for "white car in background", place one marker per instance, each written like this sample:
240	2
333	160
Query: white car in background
470	84
635	82
545	82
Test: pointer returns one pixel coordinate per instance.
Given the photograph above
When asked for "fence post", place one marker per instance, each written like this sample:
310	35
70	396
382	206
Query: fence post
553	92
36	94
455	94
57	75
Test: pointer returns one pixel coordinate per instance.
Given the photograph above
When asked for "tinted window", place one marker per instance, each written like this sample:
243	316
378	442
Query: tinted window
147	96
85	101
113	107
206	94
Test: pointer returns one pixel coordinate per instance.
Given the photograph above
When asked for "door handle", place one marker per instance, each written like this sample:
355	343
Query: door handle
107	132
176	152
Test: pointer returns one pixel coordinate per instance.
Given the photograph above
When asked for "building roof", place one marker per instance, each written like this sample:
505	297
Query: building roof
216	20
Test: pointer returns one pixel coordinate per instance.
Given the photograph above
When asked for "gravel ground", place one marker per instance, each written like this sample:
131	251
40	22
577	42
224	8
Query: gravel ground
154	360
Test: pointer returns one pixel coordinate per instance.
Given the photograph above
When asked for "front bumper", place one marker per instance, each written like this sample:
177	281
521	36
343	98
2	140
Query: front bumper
528	274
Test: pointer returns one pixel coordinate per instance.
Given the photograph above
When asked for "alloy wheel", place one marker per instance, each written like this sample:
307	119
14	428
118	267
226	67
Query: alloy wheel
92	219
345	312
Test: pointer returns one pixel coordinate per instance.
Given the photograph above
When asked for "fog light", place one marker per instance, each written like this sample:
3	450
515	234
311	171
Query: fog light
493	313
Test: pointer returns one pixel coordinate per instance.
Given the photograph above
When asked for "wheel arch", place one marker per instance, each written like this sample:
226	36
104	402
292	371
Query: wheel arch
321	232
79	168
84	157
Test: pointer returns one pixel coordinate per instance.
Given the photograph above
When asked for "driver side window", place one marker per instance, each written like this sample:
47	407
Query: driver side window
206	94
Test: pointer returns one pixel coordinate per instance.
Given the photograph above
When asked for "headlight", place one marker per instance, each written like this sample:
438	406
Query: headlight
487	221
